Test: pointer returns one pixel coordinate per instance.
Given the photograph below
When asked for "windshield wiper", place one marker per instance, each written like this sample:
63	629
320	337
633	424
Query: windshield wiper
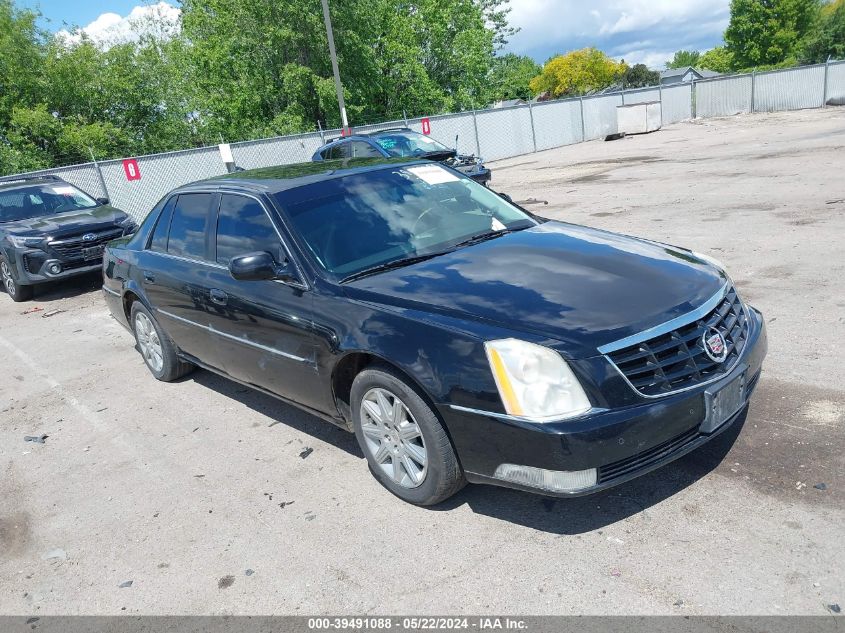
391	265
487	235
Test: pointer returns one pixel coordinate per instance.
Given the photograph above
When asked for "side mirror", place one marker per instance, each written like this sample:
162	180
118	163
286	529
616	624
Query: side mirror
103	200
260	267
505	196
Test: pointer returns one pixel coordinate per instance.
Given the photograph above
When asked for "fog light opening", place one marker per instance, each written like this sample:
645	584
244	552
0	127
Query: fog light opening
549	480
54	269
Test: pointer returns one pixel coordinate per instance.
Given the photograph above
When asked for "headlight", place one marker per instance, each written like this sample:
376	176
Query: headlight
534	381
24	242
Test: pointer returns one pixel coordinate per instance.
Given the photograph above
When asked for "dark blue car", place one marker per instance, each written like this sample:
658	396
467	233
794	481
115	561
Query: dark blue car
402	143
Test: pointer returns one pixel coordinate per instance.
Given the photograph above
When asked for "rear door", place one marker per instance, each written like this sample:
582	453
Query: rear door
175	270
265	326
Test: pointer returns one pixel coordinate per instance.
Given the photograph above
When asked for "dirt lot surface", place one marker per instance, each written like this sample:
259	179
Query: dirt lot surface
197	493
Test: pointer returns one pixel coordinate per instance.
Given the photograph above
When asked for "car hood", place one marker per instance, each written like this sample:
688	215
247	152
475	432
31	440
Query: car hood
578	286
69	223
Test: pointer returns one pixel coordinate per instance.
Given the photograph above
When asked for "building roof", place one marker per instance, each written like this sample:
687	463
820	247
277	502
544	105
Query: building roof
680	72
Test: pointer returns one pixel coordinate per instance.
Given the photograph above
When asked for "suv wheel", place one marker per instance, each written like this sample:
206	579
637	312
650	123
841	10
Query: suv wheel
405	444
16	291
157	350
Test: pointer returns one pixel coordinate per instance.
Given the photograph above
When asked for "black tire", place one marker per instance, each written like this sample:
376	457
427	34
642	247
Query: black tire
172	367
443	476
17	292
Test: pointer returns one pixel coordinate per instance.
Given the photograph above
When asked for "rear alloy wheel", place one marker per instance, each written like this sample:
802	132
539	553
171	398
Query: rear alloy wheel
17	292
406	445
157	350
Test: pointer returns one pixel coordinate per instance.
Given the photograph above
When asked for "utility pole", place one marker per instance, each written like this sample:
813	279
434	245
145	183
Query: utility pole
335	70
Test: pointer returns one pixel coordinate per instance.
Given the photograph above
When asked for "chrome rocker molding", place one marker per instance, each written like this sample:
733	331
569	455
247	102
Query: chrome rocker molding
238	339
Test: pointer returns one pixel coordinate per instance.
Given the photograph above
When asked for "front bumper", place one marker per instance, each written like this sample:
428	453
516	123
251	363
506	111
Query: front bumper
620	444
32	266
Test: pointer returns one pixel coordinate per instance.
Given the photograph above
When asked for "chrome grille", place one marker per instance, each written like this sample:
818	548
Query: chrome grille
677	360
70	248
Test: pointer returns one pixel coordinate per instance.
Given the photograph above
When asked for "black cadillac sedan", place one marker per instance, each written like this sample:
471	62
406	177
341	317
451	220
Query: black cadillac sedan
458	336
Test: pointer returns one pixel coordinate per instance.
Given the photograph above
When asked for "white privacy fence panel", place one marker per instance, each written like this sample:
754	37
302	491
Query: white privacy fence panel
836	81
791	89
453	130
723	97
677	103
277	151
648	95
504	133
557	123
160	173
600	115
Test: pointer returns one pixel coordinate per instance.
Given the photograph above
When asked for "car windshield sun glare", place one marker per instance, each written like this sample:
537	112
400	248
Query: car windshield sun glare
367	223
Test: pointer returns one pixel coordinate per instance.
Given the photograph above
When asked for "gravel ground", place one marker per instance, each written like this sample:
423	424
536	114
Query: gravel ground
197	493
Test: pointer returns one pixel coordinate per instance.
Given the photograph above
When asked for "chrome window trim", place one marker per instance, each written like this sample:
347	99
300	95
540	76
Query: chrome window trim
208	328
517	418
668	326
302	286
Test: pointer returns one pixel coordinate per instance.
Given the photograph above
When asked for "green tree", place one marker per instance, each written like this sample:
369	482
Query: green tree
578	72
768	32
511	75
639	76
21	53
684	59
828	38
718	59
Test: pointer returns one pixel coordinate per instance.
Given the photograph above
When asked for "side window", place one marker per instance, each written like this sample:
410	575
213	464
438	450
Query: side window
340	149
189	225
159	237
362	149
243	227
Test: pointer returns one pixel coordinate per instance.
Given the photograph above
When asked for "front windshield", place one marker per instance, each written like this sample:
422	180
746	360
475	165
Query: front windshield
360	221
35	201
408	144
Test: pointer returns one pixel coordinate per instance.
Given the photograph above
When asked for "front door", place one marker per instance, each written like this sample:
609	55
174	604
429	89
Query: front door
265	327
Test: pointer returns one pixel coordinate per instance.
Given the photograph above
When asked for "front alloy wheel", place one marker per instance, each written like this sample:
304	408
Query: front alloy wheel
393	438
15	290
402	437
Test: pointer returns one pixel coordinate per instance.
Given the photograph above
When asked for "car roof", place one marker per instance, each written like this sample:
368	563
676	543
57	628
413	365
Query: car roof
365	135
12	182
285	177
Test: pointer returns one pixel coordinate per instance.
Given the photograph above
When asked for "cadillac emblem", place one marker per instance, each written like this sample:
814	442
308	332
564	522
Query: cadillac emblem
714	345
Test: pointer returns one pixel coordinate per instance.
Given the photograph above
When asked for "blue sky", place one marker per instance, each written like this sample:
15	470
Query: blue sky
81	12
647	31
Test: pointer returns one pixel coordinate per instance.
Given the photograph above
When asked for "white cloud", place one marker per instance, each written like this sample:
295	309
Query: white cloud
618	27
159	20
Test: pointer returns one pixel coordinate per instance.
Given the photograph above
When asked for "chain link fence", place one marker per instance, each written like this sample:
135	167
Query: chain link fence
492	134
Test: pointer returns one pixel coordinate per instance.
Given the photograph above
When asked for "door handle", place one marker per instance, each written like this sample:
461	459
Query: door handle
149	277
218	296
